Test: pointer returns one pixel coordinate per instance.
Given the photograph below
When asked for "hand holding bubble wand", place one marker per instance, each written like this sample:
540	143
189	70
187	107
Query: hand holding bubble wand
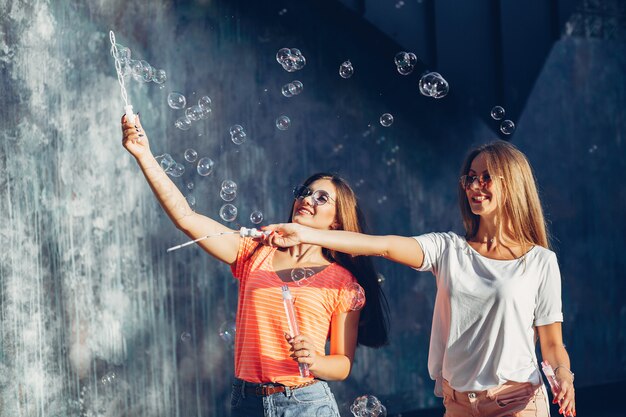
293	325
243	232
128	109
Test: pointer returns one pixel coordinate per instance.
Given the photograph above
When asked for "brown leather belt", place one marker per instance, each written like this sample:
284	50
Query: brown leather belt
263	390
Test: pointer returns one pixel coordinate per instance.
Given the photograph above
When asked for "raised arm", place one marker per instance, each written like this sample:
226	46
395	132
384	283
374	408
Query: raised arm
401	249
173	201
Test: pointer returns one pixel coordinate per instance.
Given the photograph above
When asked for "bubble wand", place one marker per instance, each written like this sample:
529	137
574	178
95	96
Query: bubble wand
293	325
550	376
243	232
128	109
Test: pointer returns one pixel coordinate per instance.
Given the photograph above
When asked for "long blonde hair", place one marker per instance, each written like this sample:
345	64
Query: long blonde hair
520	209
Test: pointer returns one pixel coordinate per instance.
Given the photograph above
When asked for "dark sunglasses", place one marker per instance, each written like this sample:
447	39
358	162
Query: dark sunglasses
483	180
319	197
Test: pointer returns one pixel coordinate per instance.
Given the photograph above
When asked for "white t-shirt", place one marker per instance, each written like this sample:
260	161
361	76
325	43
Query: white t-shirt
485	312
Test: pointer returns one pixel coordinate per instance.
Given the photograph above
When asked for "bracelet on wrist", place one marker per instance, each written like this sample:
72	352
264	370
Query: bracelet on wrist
566	368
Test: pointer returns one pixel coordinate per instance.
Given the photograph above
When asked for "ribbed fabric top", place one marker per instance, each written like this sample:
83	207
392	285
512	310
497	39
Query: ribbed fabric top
261	351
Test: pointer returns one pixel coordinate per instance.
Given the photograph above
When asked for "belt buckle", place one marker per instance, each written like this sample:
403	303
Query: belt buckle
260	391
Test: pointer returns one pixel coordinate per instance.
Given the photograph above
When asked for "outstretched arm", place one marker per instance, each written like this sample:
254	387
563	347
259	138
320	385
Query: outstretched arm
173	201
553	351
401	249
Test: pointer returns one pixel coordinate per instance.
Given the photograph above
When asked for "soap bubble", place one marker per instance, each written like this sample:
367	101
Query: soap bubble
228	212
190	185
177	170
282	55
256	217
507	127
191	155
204	102
405	62
301	275
183	123
166	161
206	112
295	87
380	278
185	336
229	186
123	53
238	137
228	196
147	72
235	128
433	85
354	296
227	332
346	70
159	76
286	90
205	166
176	100
290	59
386	119
108	378
283	122
368	406
497	113
193	112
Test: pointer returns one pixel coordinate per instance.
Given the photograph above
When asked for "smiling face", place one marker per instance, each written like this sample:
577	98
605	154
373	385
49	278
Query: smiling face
307	213
483	195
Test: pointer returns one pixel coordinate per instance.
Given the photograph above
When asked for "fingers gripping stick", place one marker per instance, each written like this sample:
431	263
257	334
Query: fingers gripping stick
549	373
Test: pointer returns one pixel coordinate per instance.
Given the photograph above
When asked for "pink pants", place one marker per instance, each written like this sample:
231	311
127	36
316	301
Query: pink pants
515	399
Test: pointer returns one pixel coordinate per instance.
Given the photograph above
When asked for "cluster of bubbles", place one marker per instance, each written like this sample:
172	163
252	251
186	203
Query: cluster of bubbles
140	70
292	89
368	406
283	122
200	111
301	275
237	134
405	62
291	59
346	69
228	191
227	333
432	84
507	126
185	336
170	166
386	120
108	378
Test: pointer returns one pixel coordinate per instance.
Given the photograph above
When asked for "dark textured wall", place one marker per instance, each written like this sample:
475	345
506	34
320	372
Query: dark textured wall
86	288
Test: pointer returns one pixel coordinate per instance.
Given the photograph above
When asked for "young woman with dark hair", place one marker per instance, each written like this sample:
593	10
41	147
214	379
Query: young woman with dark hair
267	358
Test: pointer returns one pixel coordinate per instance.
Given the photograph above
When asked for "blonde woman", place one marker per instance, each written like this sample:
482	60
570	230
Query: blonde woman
498	289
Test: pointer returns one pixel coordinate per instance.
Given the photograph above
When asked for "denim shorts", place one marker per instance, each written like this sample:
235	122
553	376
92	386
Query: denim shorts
314	400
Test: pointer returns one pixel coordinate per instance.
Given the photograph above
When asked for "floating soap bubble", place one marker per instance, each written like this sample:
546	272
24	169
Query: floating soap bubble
399	4
229	186
193	113
433	85
282	55
290	59
108	378
228	196
295	87
507	127
166	161
191	200
238	137
386	120
160	76
185	336
183	123
346	70
380	278
368	406
176	100
228	212
497	113
301	275
191	155
227	332
147	72
286	91
256	217
190	185
283	122
123	53
354	296
206	112
204	102
205	166
235	128
177	170
405	62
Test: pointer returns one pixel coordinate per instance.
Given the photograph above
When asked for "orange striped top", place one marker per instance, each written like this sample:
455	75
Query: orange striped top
261	351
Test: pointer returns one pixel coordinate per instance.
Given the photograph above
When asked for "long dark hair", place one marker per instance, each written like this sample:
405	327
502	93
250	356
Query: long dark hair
374	319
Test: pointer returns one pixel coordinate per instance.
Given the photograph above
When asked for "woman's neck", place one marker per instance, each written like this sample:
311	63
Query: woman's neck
305	253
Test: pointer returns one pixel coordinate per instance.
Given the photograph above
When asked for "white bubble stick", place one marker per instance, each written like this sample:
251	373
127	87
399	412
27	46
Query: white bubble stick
128	109
243	232
293	324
